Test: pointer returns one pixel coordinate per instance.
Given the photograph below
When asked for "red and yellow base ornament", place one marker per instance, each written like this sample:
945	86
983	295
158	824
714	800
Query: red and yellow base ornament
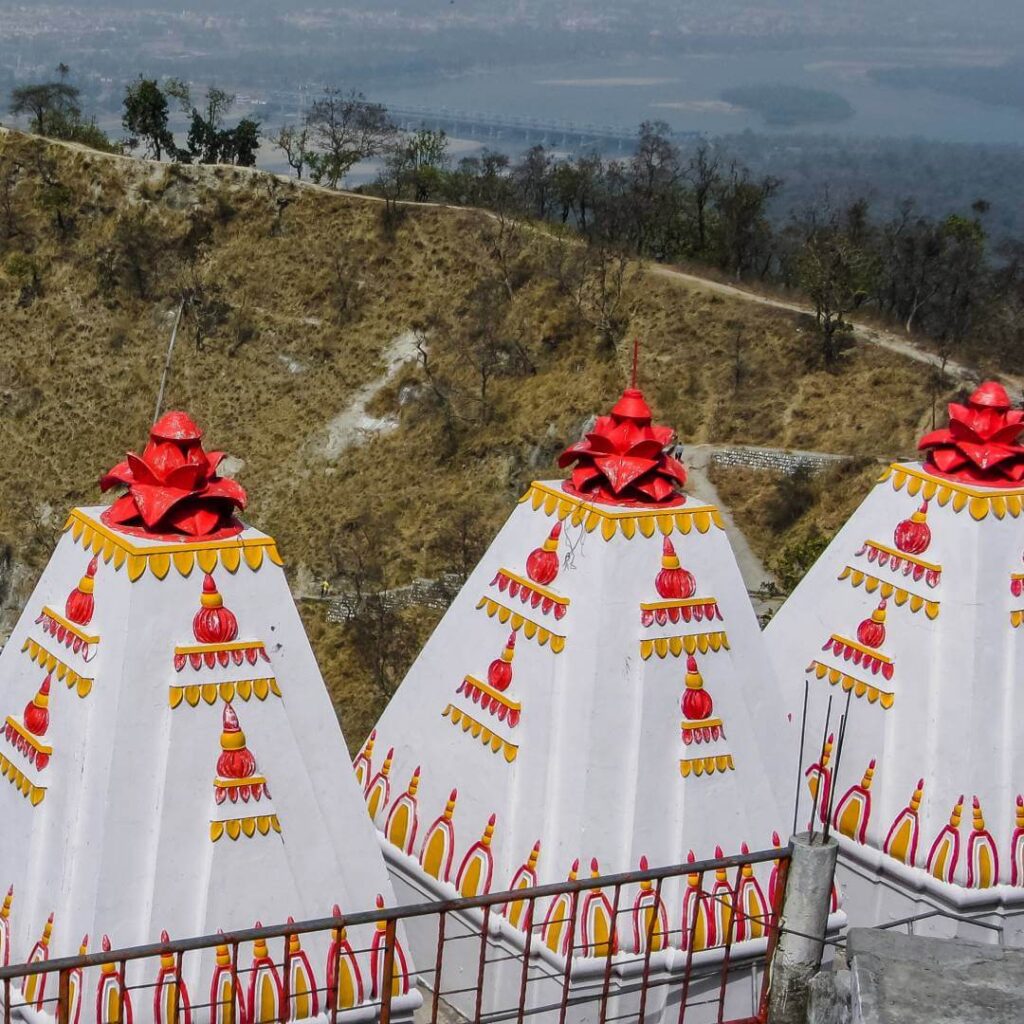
344	979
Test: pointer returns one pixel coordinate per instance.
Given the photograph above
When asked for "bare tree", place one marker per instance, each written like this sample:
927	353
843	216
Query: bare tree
293	140
346	128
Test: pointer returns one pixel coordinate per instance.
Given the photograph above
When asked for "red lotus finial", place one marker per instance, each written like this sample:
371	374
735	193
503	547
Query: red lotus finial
173	487
980	444
623	461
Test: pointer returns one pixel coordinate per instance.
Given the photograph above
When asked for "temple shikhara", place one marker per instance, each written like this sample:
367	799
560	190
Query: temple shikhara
913	617
175	764
594	700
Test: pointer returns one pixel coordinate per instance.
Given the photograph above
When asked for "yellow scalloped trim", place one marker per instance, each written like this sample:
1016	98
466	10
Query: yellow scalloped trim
859	687
160	558
691	643
706	765
21	782
979	503
248	827
626	522
899	595
1016	618
51	663
210	693
479	731
532	630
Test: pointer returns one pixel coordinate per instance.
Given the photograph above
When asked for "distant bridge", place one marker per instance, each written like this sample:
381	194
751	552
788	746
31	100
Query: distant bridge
484	127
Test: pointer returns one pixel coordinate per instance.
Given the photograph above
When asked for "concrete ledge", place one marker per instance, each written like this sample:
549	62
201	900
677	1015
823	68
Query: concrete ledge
905	979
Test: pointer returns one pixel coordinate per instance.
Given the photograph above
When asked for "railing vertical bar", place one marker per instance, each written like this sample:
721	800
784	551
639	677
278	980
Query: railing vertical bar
687	970
235	994
64	998
647	955
286	986
7	1001
178	960
527	946
729	931
122	966
607	982
388	980
567	976
438	966
774	931
483	962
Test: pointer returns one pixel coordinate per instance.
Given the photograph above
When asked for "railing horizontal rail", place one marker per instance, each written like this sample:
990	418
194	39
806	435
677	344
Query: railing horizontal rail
387	914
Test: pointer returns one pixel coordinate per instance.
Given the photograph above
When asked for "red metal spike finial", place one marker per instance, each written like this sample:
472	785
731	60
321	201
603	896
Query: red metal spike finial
776	839
380	901
105	944
718	853
336	911
643	862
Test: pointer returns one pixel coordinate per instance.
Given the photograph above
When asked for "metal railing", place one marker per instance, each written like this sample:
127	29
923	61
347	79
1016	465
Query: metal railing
454	920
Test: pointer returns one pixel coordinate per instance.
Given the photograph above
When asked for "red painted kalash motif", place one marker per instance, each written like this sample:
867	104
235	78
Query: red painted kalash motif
237	785
67	629
174	491
864	654
912	537
215	629
698	724
677	587
541	569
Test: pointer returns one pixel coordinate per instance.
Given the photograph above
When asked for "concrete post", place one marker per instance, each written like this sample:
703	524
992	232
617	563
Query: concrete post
805	908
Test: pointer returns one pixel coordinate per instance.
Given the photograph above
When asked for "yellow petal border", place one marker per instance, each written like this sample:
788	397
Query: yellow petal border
978	502
478	730
532	630
706	765
82	685
233	828
689	643
158	559
899	595
860	688
21	782
627	522
210	693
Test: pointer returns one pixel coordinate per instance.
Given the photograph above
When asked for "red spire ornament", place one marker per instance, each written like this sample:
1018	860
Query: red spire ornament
696	703
37	711
499	674
912	536
80	603
174	491
980	445
213	623
542	564
673	582
871	632
623	461
235	761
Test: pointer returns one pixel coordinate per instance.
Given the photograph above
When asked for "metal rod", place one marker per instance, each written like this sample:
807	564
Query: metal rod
120	992
684	995
607	981
438	966
836	763
524	977
647	955
286	1001
800	760
729	930
482	963
389	972
167	362
566	977
177	986
64	998
821	757
774	930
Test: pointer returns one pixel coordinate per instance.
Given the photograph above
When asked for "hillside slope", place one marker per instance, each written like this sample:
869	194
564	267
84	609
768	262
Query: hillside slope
373	461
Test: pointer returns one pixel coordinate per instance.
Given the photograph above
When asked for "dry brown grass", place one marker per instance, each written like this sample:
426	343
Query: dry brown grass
81	368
